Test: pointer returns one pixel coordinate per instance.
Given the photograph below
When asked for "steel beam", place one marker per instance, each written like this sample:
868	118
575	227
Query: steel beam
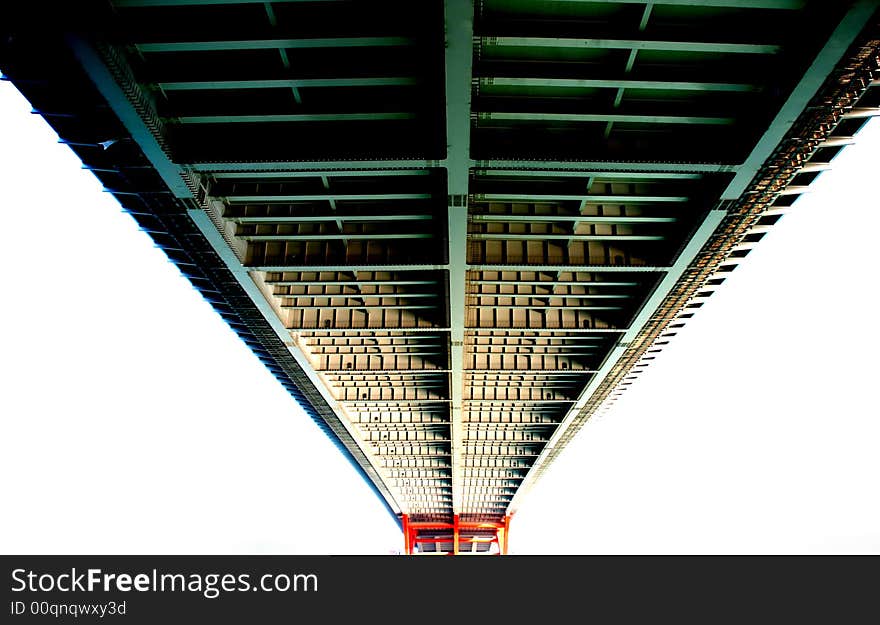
286	83
318	236
291	118
535	295
359	173
553	283
343	268
732	4
575	173
272	44
502	236
330	218
124	107
576	268
633	168
630	44
317	197
359	283
459	16
587	219
577	83
589	199
604	118
174	3
329	167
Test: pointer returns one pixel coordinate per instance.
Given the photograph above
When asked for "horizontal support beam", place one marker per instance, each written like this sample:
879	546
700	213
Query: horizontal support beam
541	307
605	118
496	236
337	197
329	218
174	3
286	83
589	199
549	295
343	268
329	296
583	268
594	168
553	283
587	219
713	47
575	83
372	331
476	330
733	4
339	168
273	44
594	174
354	173
290	118
364	307
362	372
358	283
335	237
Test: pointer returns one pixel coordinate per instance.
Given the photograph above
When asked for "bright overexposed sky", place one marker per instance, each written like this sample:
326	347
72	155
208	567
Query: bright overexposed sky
134	421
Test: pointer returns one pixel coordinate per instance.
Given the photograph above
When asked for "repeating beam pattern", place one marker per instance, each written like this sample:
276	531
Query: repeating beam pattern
449	227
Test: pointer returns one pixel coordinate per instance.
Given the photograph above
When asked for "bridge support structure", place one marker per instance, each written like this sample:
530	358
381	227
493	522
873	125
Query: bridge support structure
456	538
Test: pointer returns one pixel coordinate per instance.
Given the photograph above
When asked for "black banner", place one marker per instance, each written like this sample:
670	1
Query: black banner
269	589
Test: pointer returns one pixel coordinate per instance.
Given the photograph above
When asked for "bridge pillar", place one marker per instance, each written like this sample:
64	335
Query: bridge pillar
447	538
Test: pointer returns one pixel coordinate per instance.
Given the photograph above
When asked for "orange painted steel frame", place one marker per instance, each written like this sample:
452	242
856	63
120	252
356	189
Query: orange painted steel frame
411	533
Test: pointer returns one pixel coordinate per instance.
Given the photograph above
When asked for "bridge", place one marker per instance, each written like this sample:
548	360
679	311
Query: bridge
452	230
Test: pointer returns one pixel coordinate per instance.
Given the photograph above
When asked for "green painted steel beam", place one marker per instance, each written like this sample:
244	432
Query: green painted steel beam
578	83
459	51
551	295
329	167
565	268
711	47
732	4
595	175
605	118
327	218
328	296
121	103
635	168
345	268
503	236
335	237
358	283
273	44
363	307
357	173
174	3
473	330
339	197
372	332
287	83
549	283
590	199
587	219
292	118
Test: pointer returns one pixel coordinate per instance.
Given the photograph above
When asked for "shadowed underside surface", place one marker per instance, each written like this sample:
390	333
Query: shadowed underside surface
452	230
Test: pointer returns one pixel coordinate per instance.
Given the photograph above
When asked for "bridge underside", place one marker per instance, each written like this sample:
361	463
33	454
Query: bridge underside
453	231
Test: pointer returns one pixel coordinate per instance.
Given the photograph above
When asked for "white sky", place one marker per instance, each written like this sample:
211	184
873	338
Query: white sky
134	421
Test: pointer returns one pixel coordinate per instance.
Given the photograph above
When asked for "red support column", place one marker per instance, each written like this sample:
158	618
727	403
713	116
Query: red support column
455	534
505	532
407	536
